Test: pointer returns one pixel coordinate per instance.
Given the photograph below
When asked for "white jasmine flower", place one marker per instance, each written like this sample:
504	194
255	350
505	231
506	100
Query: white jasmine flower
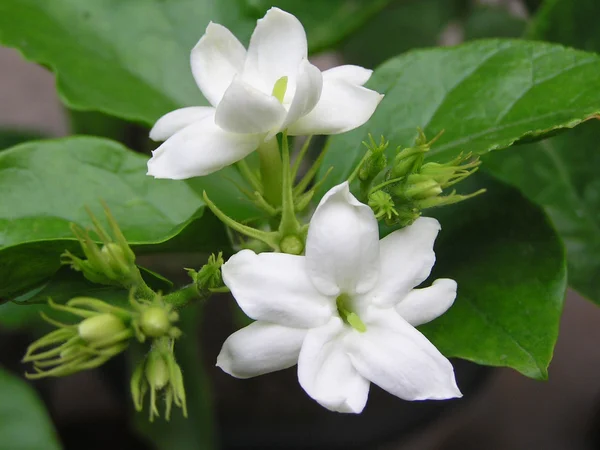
346	312
255	94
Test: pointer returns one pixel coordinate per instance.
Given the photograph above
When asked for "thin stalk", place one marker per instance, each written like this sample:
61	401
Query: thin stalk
271	171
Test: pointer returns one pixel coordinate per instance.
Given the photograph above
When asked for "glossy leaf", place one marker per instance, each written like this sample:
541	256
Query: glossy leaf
24	422
561	174
510	267
131	59
486	95
46	186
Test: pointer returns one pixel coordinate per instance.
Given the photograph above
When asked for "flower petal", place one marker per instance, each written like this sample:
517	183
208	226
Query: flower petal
342	107
398	358
308	91
199	149
216	59
423	305
245	109
177	120
274	287
326	373
342	248
277	47
351	74
260	348
406	260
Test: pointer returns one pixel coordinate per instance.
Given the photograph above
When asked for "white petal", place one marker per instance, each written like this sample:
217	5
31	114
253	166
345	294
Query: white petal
274	287
342	247
199	149
407	257
398	358
260	348
308	91
277	47
423	305
342	107
326	372
216	59
177	120
245	109
351	74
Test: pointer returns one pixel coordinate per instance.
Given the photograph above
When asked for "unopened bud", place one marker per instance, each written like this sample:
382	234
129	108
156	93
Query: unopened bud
100	328
155	321
292	245
157	371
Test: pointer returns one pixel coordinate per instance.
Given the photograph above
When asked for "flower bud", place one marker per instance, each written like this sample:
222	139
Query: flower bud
157	371
155	321
375	161
292	245
100	328
420	187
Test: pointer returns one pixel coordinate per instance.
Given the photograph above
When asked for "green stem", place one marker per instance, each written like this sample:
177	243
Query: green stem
289	224
185	295
271	171
142	290
250	177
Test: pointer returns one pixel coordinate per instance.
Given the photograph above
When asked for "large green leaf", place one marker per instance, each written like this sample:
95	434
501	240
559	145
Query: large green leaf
130	58
561	174
510	267
24	422
486	95
46	185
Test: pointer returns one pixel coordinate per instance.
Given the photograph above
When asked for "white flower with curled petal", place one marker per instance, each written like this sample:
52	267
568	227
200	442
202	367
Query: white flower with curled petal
254	95
346	312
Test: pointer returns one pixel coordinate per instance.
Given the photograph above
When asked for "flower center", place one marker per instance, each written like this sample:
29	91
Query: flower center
280	88
344	307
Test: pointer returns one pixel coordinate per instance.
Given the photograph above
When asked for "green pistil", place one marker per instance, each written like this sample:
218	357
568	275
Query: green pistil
280	88
344	304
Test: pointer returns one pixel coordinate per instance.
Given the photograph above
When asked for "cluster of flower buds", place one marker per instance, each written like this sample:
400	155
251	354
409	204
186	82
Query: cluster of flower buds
411	184
103	333
159	374
113	263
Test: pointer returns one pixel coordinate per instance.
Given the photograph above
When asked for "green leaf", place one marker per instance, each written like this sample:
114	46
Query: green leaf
46	185
486	95
131	58
561	174
24	422
509	264
197	431
24	310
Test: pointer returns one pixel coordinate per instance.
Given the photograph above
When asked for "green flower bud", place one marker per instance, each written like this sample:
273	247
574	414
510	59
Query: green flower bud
420	187
209	276
157	371
155	321
101	334
292	245
375	161
100	328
